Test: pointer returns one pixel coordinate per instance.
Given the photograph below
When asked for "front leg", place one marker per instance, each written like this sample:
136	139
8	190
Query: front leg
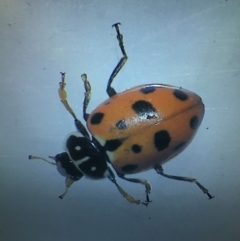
63	97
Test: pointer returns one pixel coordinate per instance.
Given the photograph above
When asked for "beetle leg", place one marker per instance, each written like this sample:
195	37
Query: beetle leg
63	97
87	98
160	171
122	61
141	181
129	198
31	157
68	183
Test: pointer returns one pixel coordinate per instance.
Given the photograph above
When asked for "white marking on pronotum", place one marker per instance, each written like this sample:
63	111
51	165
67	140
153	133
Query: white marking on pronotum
79	162
93	168
77	148
102	142
75	133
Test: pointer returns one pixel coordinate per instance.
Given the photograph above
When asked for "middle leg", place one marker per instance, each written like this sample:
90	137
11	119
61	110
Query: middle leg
141	181
129	198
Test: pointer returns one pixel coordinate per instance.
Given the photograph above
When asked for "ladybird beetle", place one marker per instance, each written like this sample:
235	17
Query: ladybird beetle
133	131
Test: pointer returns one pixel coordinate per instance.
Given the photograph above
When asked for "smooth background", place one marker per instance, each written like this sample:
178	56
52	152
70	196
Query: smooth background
193	44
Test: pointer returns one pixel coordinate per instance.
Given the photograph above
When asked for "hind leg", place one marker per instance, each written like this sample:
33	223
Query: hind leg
160	171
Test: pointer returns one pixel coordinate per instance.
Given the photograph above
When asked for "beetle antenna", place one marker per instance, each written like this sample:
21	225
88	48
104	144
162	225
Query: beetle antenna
31	157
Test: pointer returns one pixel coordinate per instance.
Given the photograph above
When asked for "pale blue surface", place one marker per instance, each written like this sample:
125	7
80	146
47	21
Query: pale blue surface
194	44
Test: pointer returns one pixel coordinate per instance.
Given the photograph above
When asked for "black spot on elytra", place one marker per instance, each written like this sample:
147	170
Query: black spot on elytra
129	168
121	125
180	146
136	148
112	145
144	109
194	122
181	95
161	140
148	89
97	118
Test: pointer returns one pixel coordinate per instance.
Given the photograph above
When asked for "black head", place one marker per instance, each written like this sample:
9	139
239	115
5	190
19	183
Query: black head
85	156
66	167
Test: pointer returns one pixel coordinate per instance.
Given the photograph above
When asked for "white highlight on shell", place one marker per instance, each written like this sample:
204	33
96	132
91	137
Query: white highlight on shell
93	168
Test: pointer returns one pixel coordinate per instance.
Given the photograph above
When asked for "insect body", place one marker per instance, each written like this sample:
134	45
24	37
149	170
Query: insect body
136	130
152	124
